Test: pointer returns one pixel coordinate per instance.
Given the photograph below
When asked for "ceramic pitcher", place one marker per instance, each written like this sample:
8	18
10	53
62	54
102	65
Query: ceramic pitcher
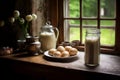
48	37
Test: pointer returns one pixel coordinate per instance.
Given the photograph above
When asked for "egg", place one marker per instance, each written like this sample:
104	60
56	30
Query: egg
67	48
73	51
52	51
65	54
57	54
60	48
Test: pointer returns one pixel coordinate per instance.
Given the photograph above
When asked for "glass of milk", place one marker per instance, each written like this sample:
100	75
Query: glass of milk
92	47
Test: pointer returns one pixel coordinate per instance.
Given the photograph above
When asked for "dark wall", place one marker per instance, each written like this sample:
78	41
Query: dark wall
6	33
6	7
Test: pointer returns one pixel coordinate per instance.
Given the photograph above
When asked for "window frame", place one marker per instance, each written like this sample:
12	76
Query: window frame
55	10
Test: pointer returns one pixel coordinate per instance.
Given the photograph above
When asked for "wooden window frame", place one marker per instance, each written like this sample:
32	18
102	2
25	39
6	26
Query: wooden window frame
58	10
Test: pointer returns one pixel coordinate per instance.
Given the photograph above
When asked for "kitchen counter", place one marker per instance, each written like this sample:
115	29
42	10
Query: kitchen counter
41	67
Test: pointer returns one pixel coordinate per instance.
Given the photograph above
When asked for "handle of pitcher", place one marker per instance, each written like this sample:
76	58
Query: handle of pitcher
57	32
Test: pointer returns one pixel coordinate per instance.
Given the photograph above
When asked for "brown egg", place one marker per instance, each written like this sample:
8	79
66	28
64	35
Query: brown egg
60	48
65	54
67	48
51	51
73	51
57	54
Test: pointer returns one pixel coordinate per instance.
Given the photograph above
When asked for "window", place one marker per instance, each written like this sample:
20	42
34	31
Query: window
78	15
82	14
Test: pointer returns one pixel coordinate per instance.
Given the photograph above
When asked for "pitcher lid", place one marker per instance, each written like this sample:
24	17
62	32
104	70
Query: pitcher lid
48	25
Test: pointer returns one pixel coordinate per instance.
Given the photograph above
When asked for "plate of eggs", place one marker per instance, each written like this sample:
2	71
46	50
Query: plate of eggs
62	53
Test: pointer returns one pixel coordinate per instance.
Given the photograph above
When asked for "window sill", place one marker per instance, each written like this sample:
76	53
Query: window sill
37	66
103	50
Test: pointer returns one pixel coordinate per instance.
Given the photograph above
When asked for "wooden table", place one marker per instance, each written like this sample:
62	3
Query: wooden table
21	66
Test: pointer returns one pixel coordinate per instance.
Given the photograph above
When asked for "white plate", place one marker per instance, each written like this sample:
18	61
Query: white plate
70	58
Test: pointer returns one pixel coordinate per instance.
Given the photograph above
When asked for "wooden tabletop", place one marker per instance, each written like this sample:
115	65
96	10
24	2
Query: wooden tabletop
109	64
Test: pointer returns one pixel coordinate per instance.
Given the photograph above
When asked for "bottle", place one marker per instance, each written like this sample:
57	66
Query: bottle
92	47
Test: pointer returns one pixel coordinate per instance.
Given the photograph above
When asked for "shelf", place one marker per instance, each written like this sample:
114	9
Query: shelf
37	66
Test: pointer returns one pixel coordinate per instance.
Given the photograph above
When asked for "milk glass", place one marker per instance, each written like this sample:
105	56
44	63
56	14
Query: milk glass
92	47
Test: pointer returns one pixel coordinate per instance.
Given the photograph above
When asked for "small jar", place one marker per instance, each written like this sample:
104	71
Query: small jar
92	47
33	48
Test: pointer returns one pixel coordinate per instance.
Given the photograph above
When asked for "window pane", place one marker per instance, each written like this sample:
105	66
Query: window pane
107	37
89	8
107	8
71	30
74	30
107	32
71	8
74	8
74	33
107	23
